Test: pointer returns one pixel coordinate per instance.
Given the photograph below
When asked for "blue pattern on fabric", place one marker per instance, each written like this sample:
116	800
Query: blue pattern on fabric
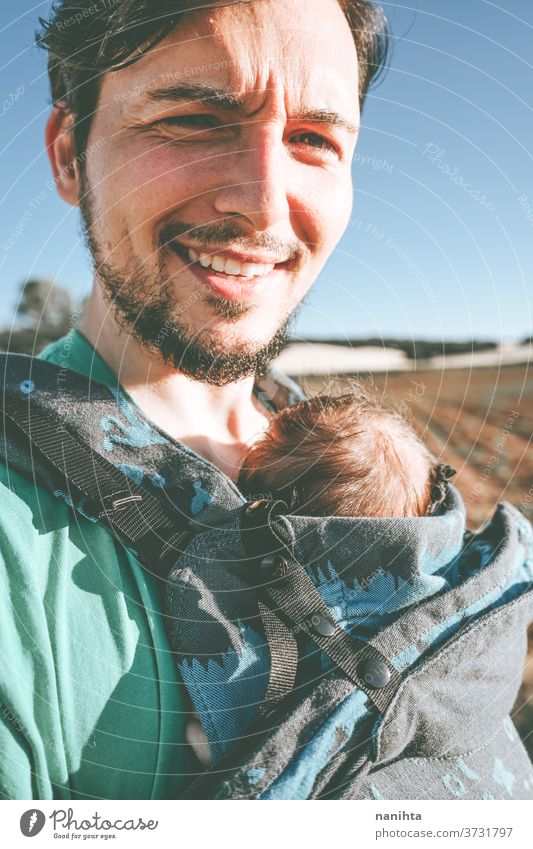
520	578
138	434
453	785
375	792
201	499
443	563
375	604
406	657
502	776
509	728
79	508
134	473
465	769
138	474
27	387
528	782
483	552
326	662
225	711
255	774
296	782
227	690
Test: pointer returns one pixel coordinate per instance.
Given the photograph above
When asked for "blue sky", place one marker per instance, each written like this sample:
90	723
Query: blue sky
441	239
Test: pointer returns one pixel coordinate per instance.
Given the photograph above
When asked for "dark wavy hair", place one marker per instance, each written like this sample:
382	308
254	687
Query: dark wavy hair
86	38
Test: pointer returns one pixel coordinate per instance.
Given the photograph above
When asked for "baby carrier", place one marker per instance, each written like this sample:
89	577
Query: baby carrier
326	657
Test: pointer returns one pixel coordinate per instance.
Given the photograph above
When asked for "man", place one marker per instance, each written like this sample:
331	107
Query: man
209	152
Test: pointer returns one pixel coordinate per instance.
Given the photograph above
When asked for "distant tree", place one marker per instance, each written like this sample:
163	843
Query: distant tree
43	315
46	303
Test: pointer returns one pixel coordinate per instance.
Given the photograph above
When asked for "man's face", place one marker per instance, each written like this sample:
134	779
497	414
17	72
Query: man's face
218	179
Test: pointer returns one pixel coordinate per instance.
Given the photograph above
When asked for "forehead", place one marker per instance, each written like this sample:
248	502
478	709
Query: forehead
301	50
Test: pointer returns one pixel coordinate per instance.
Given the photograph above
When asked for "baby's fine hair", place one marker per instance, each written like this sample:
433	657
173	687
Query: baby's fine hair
342	455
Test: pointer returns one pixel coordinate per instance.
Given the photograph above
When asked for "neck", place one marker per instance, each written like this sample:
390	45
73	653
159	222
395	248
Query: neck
218	422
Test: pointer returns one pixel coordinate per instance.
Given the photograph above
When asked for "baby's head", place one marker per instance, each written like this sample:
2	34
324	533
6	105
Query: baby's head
341	455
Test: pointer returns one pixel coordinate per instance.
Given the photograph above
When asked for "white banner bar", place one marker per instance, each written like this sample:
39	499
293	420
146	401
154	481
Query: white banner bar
267	825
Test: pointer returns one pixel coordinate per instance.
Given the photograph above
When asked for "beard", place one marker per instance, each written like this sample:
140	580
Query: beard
145	307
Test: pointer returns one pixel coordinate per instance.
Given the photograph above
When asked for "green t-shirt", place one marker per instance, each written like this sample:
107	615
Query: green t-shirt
90	701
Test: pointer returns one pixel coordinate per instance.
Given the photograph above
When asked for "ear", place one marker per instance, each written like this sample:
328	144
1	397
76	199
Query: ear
61	151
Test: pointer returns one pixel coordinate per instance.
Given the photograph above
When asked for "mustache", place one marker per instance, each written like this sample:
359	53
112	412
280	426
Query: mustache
219	234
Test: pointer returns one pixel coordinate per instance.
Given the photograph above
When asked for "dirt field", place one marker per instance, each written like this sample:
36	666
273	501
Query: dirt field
479	421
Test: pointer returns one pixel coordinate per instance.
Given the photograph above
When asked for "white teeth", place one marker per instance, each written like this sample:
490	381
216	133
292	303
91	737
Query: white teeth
248	269
219	263
231	266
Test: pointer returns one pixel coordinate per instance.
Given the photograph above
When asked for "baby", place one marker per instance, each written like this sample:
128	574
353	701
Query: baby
343	455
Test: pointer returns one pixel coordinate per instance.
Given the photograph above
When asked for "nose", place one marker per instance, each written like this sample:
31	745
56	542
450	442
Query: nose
256	184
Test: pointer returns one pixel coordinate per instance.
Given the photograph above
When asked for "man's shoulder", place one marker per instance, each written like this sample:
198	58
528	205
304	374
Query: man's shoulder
26	504
30	519
19	496
38	524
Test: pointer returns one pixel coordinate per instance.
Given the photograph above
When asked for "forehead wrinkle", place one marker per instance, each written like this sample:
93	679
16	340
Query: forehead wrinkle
222	98
212	96
267	73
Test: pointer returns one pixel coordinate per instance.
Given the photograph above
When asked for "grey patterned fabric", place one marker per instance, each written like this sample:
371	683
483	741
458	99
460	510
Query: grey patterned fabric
447	614
450	617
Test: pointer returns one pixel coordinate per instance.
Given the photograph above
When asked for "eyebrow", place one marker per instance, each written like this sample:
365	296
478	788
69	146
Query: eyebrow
223	99
325	116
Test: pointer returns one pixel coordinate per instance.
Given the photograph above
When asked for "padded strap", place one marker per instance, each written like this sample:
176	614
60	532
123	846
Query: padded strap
283	649
131	512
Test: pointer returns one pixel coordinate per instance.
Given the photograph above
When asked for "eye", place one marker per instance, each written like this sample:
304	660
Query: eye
315	141
199	128
200	122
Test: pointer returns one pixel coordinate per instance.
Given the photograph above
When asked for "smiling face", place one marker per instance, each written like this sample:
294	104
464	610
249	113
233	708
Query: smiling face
217	180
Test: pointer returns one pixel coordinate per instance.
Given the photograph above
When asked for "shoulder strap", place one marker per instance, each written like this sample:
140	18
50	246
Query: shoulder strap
130	511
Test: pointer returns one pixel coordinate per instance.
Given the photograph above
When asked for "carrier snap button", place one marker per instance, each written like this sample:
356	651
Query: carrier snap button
322	626
375	673
273	566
